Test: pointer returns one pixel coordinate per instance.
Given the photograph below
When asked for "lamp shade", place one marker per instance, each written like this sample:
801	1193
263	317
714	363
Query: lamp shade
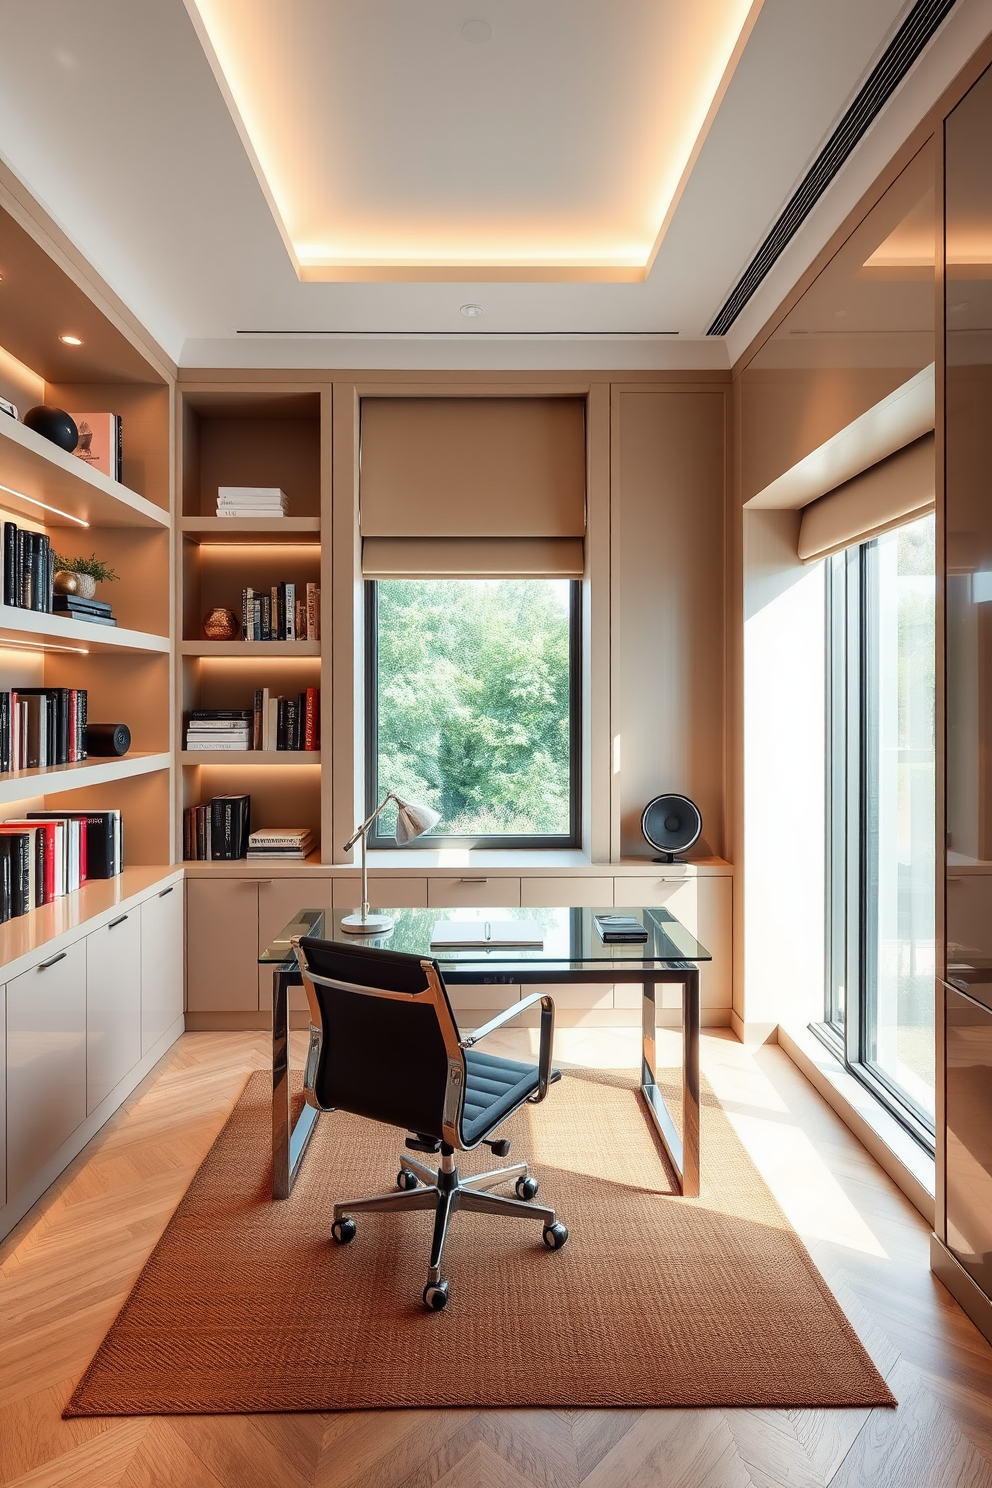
412	819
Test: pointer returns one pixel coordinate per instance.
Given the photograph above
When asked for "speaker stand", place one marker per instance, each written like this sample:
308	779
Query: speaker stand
668	858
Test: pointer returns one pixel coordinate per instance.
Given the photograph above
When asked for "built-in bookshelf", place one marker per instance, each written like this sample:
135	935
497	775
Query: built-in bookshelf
125	668
249	435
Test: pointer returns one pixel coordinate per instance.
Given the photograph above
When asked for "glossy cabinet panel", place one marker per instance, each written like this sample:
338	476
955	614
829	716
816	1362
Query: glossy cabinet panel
221	945
113	1004
161	963
46	1061
969	1136
279	900
473	889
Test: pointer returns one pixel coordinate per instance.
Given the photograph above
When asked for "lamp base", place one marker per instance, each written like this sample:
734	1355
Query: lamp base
373	924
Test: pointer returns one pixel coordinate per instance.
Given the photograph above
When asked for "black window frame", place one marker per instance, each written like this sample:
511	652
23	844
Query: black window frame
536	841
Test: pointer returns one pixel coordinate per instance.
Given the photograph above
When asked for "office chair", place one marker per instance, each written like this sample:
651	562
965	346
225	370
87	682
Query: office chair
384	1044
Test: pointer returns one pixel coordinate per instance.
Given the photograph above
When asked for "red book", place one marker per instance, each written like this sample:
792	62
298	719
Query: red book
311	722
45	859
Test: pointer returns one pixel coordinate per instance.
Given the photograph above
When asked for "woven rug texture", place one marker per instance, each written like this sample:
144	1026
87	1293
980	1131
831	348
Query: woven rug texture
247	1305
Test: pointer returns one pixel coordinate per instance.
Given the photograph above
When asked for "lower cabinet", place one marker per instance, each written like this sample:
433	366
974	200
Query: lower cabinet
113	1004
161	963
704	904
221	940
46	1061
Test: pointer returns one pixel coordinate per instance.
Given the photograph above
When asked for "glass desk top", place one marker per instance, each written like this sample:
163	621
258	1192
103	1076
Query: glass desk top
570	938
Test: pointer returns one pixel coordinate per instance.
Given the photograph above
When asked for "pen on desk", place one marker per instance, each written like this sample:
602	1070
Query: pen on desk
488	931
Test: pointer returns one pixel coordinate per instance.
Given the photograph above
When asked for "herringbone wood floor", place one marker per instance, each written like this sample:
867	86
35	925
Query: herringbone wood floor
66	1269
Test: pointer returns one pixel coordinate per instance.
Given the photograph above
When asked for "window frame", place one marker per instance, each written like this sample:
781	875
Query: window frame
528	842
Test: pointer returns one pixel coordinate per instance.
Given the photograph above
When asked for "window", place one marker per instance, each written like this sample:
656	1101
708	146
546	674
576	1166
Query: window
472	706
879	1002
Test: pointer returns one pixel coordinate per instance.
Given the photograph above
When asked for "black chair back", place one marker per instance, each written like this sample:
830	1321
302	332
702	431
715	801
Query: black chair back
386	1039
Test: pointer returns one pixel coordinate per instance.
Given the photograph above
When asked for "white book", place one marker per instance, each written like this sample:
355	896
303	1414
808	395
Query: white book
234	493
278	835
470	935
192	745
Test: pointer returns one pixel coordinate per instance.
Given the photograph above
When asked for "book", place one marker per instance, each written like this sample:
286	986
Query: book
99	444
103	855
311	718
617	929
467	935
230	826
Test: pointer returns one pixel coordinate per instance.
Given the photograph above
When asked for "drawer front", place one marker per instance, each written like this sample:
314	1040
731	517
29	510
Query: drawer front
113	1005
279	902
161	964
572	893
221	937
46	1062
385	892
705	907
476	890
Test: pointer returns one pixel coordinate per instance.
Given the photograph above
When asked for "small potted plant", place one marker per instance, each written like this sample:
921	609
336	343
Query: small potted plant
80	576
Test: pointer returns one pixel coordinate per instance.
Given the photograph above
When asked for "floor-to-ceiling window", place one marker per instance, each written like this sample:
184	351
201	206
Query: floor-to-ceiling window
879	1005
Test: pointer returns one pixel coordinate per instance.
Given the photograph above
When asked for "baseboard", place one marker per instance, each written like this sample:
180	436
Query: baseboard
909	1167
20	1203
750	1033
965	1291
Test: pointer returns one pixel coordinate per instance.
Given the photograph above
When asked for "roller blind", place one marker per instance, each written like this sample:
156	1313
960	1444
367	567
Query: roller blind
462	486
886	495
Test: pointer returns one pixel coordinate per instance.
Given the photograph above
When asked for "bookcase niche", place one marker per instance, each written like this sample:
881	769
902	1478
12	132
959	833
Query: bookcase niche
260	437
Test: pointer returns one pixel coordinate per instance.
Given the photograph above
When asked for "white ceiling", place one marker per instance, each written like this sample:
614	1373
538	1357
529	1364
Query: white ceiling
111	115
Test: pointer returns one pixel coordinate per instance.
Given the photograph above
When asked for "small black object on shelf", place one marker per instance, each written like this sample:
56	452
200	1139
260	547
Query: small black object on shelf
54	424
107	738
671	824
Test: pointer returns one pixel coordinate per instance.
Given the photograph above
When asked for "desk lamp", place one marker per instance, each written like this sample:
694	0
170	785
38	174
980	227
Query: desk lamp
412	820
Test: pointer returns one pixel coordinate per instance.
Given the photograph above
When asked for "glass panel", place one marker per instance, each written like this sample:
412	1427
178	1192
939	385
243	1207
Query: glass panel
899	821
473	705
836	835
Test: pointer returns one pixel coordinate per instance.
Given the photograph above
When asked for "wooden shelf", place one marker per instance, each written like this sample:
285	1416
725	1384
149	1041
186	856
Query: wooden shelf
32	467
18	784
252	868
24	625
247	529
249	648
263	758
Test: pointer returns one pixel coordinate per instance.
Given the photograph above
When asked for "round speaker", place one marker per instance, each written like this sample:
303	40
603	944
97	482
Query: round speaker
671	824
107	738
54	424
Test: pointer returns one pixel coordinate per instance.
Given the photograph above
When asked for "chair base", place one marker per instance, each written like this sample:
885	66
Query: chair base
444	1191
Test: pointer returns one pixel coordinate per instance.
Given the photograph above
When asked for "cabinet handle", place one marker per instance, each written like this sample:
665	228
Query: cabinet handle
166	891
473	880
44	965
119	921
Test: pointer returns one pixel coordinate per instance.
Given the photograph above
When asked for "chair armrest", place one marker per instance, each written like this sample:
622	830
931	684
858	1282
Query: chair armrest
547	1036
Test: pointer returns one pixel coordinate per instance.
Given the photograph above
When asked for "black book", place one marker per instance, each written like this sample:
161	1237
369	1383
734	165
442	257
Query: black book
10	592
238	714
292	723
82	697
5	759
281	723
19	551
280	612
618	929
19	848
265	625
79	606
6	910
104	839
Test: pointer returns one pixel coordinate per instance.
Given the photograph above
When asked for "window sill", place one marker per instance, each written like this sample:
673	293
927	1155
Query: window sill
909	1167
511	860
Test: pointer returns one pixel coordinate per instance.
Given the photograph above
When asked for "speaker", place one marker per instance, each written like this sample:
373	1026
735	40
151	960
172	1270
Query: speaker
107	738
671	824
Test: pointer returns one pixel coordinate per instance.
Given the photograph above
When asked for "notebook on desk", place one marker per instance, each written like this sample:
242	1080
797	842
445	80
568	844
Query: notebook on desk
497	935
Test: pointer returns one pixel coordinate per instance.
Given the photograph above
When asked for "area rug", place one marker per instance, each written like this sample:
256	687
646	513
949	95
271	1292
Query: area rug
247	1305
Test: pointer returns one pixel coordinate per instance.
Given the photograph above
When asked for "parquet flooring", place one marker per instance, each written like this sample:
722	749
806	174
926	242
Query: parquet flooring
67	1268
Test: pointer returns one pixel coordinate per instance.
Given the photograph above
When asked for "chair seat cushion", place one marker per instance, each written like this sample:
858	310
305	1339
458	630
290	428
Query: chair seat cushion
493	1088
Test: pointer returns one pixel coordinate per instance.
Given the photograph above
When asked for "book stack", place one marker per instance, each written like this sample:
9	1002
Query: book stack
251	501
47	854
291	723
97	611
28	569
218	830
99	444
219	728
42	726
280	844
279	613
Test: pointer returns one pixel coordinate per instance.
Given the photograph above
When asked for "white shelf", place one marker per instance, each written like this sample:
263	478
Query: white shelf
249	648
266	758
18	784
34	467
245	529
22	625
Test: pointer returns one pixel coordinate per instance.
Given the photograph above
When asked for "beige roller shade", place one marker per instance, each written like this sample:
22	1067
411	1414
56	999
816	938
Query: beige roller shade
473	467
894	491
472	558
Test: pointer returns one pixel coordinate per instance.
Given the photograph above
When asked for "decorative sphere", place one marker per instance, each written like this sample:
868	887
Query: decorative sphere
54	424
65	582
221	624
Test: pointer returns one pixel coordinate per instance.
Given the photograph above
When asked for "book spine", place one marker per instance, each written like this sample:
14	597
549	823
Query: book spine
266	618
4	731
289	608
21	873
281	723
5	884
118	447
247	597
312	608
256	718
279	597
19	536
10	563
82	715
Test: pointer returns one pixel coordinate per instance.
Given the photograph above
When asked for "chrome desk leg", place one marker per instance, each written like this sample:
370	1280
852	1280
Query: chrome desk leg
289	1143
683	1150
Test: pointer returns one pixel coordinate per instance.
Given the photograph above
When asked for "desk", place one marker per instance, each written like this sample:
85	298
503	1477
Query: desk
572	952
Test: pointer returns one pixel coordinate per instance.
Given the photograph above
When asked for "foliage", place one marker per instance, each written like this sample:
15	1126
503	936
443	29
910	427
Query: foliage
473	702
92	565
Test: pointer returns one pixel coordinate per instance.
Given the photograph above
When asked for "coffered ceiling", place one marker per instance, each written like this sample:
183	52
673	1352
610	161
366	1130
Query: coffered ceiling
340	182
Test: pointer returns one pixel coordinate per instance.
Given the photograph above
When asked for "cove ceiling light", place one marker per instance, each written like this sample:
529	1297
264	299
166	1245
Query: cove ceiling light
388	149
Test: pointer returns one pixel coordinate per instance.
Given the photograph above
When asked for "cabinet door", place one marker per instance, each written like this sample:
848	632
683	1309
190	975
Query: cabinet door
386	891
577	893
161	964
221	936
46	1061
705	907
279	902
113	1005
486	893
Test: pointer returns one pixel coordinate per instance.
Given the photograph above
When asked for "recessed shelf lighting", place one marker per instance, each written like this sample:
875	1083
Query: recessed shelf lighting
477	32
472	312
43	646
70	340
44	506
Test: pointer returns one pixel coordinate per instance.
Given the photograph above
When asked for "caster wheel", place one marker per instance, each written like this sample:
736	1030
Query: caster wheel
343	1231
526	1188
501	1147
555	1236
436	1295
405	1179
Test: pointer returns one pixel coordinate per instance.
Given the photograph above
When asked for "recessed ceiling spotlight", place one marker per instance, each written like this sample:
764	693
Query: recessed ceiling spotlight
472	312
70	340
477	32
